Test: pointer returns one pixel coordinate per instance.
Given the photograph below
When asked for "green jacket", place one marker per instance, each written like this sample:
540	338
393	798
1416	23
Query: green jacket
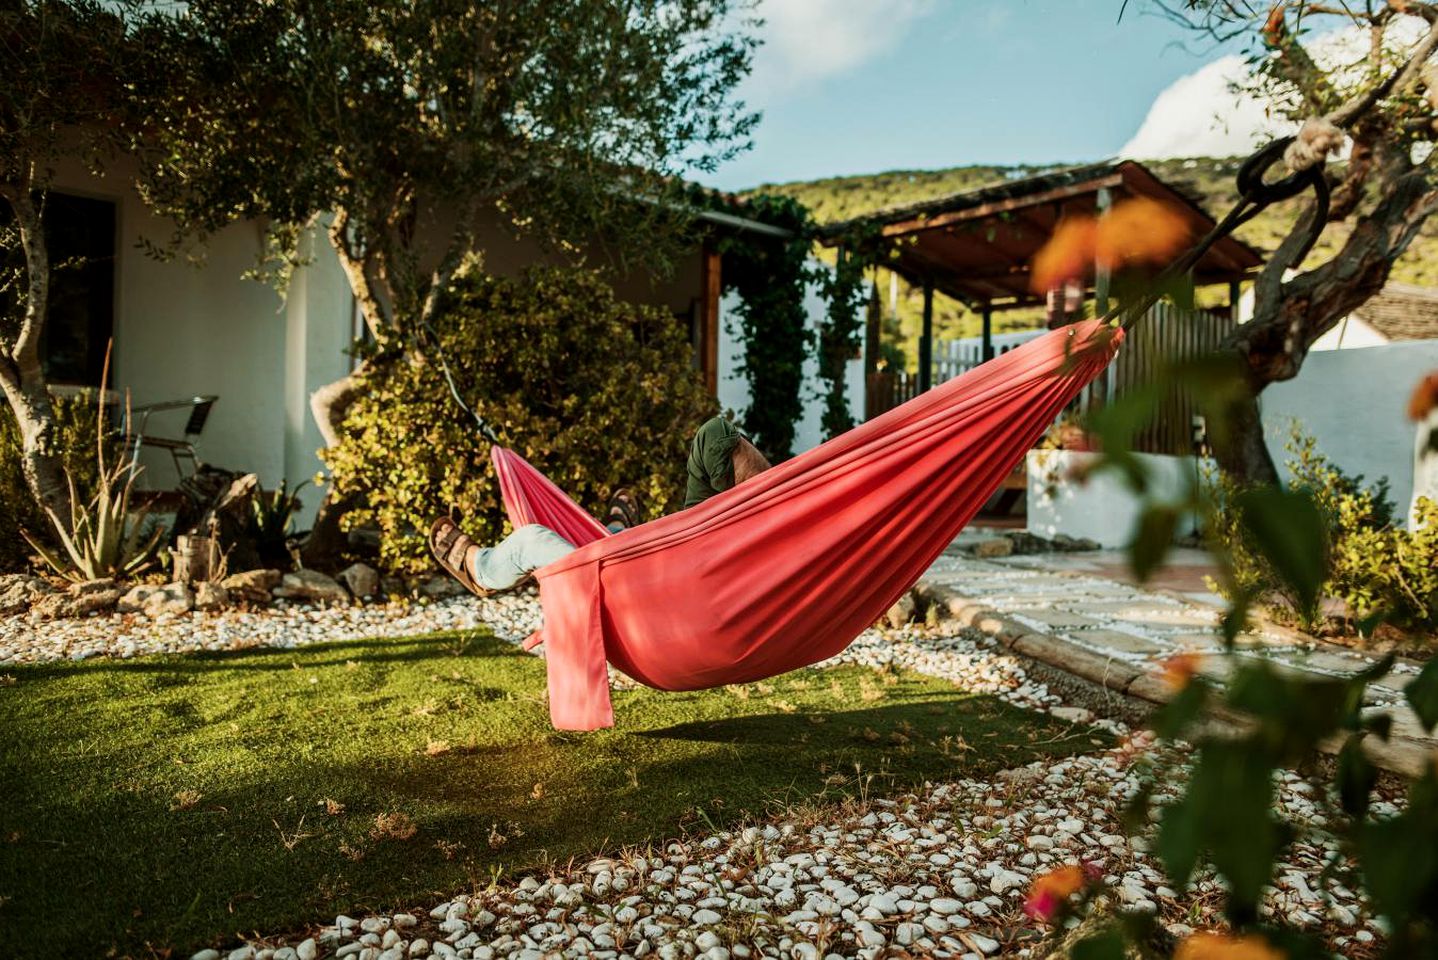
711	461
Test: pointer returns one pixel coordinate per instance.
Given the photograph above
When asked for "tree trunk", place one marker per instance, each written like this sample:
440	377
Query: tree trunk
1243	453
21	376
329	405
1290	316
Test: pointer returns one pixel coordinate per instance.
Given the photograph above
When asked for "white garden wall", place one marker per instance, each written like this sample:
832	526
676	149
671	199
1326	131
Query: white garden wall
1101	509
1354	403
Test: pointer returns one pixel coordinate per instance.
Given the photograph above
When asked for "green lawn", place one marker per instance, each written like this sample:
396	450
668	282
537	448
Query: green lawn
174	801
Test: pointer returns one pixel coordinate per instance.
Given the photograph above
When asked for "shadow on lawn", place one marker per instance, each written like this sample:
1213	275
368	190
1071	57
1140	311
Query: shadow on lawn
269	658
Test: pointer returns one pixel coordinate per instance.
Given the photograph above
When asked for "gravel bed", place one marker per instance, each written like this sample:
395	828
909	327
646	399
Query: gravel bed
512	617
942	872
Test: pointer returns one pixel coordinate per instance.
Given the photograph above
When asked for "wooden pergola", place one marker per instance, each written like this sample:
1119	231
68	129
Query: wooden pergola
976	246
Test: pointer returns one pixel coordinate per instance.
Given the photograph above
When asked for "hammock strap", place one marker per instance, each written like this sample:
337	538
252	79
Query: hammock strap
438	350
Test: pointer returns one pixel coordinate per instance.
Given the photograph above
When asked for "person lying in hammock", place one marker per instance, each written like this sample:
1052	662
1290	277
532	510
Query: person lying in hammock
720	457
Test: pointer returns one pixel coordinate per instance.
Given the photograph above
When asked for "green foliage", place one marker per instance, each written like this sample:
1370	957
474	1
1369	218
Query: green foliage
772	278
840	335
1355	549
596	393
75	424
558	121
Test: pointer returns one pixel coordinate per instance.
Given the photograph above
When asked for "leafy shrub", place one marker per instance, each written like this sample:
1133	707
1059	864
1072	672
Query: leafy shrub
76	417
596	393
1374	566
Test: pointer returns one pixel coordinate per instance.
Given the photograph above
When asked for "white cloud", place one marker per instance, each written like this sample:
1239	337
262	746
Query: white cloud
809	40
1201	115
1208	113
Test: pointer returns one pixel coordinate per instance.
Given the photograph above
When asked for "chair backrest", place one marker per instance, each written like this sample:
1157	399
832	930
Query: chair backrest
201	412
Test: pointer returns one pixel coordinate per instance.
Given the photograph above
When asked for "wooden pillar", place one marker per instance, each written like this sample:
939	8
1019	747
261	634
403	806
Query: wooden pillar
1102	280
873	321
926	339
1235	299
709	288
988	315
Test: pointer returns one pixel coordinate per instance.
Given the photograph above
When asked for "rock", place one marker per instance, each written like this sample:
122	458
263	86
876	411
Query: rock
170	600
705	918
308	949
18	591
361	579
80	600
997	547
883	904
211	596
313	586
133	600
986	944
252	586
1072	714
902	611
437	588
419	947
207	954
1007	880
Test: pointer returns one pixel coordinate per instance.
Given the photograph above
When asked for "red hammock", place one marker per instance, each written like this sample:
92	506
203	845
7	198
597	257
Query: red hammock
788	568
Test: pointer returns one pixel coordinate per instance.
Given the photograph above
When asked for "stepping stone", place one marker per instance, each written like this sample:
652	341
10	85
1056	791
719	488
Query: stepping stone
1049	620
1116	641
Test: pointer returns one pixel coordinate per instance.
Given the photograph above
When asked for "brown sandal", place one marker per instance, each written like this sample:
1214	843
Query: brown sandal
624	508
449	546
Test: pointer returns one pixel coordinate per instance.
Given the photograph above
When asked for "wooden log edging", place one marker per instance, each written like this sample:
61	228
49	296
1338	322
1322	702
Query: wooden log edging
1141	691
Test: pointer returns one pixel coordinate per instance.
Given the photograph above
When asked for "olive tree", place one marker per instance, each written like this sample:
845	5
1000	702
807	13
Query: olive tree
61	96
403	127
1384	108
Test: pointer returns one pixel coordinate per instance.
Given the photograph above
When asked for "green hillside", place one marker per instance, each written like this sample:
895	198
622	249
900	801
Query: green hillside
1209	181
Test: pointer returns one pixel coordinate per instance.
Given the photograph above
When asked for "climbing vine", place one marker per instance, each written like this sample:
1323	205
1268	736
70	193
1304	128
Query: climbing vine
840	335
772	277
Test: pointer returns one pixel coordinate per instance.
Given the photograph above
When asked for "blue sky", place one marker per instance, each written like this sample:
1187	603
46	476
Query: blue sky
858	86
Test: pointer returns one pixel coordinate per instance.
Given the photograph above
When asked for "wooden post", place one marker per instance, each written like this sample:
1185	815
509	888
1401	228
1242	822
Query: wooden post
926	339
873	320
1101	275
709	286
1235	299
988	315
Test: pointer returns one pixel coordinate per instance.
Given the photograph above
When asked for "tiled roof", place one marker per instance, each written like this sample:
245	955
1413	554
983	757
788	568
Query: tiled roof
1402	311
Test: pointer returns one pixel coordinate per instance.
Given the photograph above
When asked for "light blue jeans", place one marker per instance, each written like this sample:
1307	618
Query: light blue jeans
517	556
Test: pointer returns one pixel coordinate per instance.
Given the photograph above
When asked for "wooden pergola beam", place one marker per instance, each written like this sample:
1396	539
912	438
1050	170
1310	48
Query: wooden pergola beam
921	224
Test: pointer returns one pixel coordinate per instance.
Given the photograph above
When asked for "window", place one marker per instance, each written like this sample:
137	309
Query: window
80	238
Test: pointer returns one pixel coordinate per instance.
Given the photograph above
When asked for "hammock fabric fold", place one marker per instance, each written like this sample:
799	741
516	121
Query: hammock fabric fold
786	569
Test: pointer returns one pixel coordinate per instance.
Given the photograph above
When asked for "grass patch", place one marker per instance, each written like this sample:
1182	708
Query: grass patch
176	801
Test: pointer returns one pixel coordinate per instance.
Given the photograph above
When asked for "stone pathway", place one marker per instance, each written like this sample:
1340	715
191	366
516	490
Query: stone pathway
1072	612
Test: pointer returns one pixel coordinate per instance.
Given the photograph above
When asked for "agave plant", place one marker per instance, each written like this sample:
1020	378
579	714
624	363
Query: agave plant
101	539
273	515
